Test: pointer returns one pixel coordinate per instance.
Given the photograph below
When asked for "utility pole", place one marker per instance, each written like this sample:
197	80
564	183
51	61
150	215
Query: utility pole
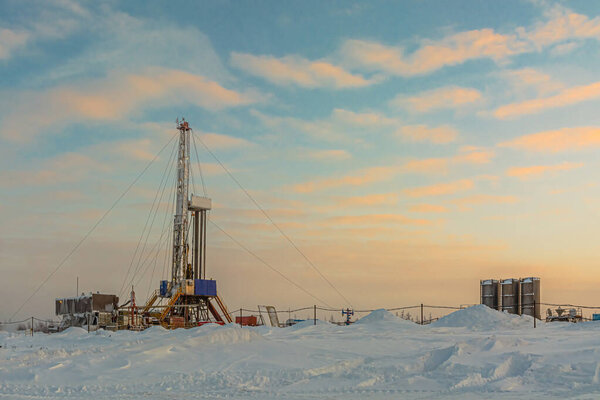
421	313
315	314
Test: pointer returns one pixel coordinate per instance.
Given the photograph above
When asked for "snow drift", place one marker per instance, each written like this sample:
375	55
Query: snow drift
481	317
471	353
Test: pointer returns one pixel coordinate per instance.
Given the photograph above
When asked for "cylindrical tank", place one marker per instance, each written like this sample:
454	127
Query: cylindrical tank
510	296
490	293
530	295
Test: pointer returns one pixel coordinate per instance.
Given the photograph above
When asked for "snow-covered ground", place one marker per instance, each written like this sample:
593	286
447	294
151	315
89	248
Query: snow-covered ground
469	354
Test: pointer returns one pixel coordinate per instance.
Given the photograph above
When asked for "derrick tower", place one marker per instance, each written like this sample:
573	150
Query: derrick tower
191	298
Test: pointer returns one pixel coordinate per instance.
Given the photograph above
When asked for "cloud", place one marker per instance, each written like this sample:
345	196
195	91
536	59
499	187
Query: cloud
538	170
526	79
464	203
362	177
431	55
382	173
564	98
440	189
329	155
370	200
341	126
375	219
561	26
427	208
66	168
10	41
136	149
111	99
298	71
218	141
578	138
442	98
422	133
441	165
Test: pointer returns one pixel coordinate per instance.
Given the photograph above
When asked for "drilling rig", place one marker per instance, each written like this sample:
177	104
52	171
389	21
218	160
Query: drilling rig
189	299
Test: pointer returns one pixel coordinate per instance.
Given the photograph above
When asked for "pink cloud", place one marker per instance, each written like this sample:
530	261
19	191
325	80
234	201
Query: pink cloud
445	97
295	70
427	208
421	133
579	138
112	99
440	189
564	98
538	170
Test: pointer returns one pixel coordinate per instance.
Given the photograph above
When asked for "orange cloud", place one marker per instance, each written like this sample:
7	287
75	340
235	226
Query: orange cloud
529	78
446	97
440	189
370	200
457	48
564	139
432	55
382	173
375	219
365	176
479	199
421	133
113	98
65	168
297	71
537	170
427	208
220	141
330	155
565	98
441	165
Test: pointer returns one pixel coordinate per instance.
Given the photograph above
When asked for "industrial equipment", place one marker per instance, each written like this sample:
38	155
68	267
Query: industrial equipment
564	315
530	297
189	299
510	295
490	293
93	310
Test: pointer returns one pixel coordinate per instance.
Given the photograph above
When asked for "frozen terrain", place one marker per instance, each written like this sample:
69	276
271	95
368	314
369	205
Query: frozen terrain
472	353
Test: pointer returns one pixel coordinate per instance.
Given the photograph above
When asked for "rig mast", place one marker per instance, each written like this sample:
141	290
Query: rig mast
180	226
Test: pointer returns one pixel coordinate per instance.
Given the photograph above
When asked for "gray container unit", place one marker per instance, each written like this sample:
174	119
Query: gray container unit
490	293
530	295
511	296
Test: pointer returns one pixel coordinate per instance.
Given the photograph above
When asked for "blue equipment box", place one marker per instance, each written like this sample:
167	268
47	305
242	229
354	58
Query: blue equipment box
595	317
205	287
163	288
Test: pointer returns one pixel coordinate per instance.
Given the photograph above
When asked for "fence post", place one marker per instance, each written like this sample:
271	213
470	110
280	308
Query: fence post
534	322
315	314
32	326
241	319
421	313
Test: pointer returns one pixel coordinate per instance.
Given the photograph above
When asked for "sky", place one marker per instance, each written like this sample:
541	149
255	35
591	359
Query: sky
409	149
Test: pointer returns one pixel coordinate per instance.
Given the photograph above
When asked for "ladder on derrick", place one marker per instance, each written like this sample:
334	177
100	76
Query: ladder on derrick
150	302
170	306
223	309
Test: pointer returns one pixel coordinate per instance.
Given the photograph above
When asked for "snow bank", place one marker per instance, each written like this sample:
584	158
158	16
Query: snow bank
384	317
481	317
474	353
